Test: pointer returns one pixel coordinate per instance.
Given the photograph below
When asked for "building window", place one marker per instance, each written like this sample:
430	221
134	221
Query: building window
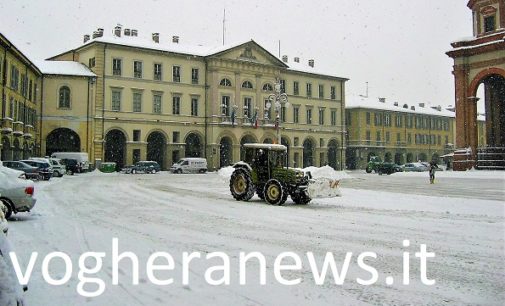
176	105
368	136
378	136
296	141
489	23
137	102
176	74
333	94
157	72
29	89
137	69
194	106
321	91
268	110
14	78
409	138
387	119
91	62
268	87
388	137
157	103
283	86
334	118
116	100
296	114
194	76
64	100
225	82
398	121
309	116
368	118
35	90
321	116
247	107
446	140
176	137
283	114
136	135
225	105
378	119
398	138
247	84
116	66
296	88
309	90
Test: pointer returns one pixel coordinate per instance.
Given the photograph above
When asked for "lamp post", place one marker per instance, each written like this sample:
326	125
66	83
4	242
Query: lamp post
277	100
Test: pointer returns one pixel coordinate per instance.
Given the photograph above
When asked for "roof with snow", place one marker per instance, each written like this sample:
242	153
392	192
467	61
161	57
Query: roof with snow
64	68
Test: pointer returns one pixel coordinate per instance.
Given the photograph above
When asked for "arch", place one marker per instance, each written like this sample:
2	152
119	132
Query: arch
247	84
268	87
333	160
62	140
308	152
115	147
247	138
225	82
388	157
225	152
472	89
410	158
268	140
399	158
156	143
422	157
194	147
64	97
6	148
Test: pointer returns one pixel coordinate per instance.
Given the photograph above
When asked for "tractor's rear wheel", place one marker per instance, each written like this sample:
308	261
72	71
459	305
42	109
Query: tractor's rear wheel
241	185
274	193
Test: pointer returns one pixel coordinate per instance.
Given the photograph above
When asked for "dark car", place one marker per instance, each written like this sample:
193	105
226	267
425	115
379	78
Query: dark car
145	167
44	168
31	173
72	165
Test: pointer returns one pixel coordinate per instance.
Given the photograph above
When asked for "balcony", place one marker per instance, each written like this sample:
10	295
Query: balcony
18	128
6	127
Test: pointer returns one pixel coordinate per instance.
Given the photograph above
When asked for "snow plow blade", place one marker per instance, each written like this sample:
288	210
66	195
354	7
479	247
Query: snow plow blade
323	188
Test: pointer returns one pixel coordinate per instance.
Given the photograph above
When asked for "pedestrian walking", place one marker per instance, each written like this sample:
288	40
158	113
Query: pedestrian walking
432	168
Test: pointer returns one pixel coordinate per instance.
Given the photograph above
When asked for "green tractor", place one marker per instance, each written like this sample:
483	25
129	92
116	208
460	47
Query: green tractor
265	173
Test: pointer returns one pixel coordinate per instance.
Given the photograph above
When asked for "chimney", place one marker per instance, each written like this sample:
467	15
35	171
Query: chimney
100	32
421	104
175	39
297	59
117	31
126	32
156	37
395	103
285	58
382	100
311	63
134	32
95	34
413	107
86	38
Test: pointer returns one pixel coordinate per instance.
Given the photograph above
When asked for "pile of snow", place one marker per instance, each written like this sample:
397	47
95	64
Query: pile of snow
225	173
327	172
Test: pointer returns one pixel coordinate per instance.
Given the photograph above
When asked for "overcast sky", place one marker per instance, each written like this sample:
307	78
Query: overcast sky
397	46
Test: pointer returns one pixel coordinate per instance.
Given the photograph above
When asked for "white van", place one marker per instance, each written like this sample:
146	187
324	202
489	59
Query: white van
190	165
80	157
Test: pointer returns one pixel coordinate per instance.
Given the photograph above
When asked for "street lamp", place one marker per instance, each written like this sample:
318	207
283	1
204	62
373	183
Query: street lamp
277	100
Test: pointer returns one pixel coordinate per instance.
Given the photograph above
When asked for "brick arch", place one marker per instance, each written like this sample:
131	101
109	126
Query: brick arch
472	89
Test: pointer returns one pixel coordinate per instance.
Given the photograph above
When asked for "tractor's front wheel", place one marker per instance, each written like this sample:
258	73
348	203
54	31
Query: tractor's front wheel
274	193
241	185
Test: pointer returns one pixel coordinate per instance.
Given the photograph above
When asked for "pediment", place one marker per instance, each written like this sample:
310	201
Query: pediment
249	52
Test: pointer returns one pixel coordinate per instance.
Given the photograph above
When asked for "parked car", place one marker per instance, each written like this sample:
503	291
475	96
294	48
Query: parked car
15	193
4	227
71	166
12	172
31	173
58	169
45	169
414	167
144	167
190	165
81	158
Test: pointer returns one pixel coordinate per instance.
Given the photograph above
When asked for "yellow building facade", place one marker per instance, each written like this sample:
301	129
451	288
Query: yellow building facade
163	101
21	84
395	132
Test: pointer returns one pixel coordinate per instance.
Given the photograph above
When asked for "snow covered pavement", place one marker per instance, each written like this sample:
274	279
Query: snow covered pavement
196	213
